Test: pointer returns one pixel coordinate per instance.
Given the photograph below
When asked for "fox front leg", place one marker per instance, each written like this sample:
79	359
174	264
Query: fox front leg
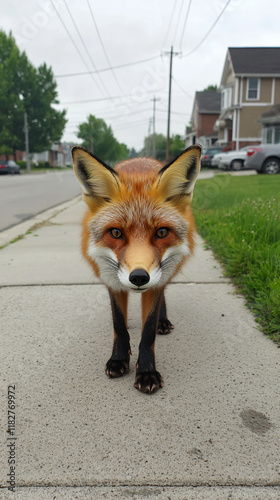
118	364
164	325
148	379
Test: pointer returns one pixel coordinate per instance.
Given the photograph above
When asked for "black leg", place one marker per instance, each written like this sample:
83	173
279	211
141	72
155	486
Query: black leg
148	379
164	325
118	364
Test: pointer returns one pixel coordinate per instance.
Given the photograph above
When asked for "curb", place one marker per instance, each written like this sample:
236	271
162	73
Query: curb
18	230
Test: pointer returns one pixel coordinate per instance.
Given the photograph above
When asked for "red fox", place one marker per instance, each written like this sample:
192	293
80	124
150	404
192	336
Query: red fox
137	233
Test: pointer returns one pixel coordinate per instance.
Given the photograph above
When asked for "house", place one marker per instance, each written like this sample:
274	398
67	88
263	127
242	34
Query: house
250	86
55	156
270	121
206	110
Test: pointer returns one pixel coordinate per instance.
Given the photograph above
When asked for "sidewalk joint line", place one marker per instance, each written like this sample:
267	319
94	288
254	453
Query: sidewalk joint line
101	284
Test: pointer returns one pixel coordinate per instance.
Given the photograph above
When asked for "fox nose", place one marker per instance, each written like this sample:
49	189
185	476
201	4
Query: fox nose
139	277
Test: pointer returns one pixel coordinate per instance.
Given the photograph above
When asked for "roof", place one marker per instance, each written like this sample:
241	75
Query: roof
272	115
208	102
255	60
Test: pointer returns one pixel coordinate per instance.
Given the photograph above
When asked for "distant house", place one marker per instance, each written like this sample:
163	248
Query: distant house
55	156
250	86
206	110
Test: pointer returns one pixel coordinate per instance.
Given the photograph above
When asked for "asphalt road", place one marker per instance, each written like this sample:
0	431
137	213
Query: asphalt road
23	196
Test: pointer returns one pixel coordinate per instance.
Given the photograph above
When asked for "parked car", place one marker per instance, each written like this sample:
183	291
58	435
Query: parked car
208	155
265	158
230	160
9	167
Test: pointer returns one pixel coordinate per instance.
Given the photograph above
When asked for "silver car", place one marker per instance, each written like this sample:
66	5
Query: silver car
265	158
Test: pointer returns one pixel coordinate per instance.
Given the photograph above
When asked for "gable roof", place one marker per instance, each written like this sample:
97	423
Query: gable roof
255	60
208	102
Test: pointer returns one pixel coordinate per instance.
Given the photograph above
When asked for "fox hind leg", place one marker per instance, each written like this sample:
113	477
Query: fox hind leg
164	325
118	364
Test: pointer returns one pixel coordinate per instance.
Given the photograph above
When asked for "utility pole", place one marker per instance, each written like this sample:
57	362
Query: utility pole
149	138
154	125
171	53
26	143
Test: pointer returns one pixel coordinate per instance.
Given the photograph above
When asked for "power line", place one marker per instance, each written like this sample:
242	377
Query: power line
141	61
184	25
70	36
209	31
91	100
103	47
178	20
106	98
128	124
181	88
86	49
169	26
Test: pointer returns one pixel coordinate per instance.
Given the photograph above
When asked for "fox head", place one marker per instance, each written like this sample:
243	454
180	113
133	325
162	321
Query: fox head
139	227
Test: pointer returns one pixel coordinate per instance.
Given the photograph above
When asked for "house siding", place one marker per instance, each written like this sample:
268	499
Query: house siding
230	78
277	91
249	127
206	124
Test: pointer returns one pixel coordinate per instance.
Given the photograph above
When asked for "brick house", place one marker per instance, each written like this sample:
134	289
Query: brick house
250	86
206	110
55	156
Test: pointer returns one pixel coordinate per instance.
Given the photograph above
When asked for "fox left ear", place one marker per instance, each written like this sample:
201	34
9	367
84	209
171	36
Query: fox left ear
177	180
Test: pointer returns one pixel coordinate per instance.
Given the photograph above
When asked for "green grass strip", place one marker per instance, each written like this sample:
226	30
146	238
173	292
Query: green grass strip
239	217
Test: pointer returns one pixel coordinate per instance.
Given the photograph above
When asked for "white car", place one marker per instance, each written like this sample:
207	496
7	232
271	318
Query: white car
231	160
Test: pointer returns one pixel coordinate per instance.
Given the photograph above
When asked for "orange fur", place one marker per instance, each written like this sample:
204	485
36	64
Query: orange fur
139	223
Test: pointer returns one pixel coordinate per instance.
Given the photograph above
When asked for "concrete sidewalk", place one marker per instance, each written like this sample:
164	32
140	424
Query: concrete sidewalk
212	432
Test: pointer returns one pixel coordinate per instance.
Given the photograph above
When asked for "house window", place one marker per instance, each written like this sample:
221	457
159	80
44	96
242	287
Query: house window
253	89
271	135
226	98
276	135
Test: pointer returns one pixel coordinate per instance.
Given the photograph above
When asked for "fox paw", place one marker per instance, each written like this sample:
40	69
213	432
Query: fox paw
116	368
148	382
164	327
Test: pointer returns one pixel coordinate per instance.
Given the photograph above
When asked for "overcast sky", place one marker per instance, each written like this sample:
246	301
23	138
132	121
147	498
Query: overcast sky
130	31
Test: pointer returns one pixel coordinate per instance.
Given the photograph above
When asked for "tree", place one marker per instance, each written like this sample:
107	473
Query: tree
24	88
133	153
160	146
177	145
213	88
99	138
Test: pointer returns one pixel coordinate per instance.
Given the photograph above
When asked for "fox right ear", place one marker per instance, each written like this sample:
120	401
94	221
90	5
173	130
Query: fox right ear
98	180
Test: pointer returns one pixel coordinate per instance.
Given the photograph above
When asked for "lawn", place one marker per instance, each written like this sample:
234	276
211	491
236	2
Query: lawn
239	218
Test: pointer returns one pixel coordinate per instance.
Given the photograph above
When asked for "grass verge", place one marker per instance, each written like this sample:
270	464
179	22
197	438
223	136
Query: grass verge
239	217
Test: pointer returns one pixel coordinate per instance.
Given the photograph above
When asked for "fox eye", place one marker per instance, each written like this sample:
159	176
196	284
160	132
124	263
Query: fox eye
162	232
116	233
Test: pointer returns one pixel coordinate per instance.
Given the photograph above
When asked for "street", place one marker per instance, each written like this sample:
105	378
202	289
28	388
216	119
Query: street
23	196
